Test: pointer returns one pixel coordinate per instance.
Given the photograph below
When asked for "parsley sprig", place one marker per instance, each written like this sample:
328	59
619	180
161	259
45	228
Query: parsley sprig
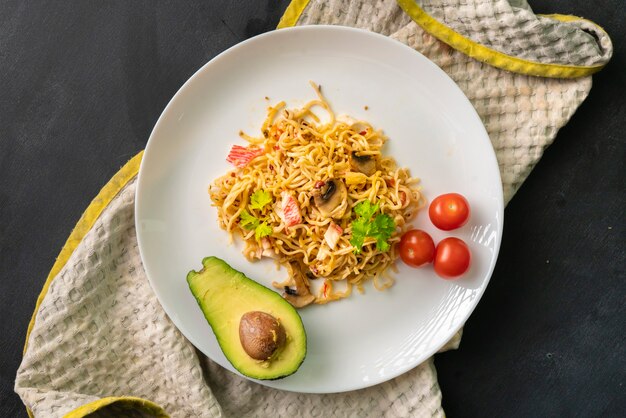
381	227
258	201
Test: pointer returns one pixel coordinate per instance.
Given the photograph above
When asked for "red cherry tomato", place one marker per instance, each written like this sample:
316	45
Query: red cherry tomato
416	248
452	258
449	211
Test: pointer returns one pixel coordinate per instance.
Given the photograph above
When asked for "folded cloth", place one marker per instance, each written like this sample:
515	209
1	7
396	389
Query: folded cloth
100	344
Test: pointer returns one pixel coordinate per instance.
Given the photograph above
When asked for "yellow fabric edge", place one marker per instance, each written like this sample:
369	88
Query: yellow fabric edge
84	224
562	18
91	407
491	56
292	13
569	18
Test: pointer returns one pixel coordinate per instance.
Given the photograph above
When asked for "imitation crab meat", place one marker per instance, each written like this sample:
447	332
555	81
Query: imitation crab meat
290	210
332	235
240	156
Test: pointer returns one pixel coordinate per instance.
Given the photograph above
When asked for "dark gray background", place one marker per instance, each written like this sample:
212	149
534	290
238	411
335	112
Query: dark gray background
83	82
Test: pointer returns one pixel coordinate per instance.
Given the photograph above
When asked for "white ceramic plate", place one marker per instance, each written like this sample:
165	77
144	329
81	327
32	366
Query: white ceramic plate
433	129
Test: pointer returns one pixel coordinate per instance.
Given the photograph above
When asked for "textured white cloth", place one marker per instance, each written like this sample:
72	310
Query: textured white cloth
100	331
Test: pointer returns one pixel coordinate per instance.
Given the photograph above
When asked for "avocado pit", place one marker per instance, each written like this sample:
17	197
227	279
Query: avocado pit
261	335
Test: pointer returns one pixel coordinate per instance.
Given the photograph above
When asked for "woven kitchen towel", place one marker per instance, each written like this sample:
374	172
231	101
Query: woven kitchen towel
100	344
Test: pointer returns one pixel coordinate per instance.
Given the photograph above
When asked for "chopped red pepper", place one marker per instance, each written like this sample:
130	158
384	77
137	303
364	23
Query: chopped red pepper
325	289
402	197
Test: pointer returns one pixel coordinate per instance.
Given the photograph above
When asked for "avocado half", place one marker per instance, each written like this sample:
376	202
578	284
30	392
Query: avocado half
225	295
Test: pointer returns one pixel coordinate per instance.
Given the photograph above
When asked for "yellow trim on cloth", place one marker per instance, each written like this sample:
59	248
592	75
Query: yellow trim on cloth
469	47
292	13
570	18
84	224
491	56
131	401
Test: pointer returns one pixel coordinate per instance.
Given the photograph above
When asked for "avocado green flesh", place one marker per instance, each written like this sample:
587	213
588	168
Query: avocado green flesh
224	295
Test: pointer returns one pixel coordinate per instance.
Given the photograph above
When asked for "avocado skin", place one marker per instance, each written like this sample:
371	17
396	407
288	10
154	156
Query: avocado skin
212	287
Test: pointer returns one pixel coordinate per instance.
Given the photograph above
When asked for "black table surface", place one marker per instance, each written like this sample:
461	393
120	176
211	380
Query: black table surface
83	82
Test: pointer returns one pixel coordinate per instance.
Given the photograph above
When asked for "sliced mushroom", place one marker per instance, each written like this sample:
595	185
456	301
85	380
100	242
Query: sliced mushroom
299	301
301	296
290	291
365	164
330	198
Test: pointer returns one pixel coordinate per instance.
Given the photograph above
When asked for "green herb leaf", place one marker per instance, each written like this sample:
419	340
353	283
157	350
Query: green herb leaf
248	221
263	230
260	199
360	229
365	209
381	228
